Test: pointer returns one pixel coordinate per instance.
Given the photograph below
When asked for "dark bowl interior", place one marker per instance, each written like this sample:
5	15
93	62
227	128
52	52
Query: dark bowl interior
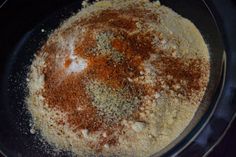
15	137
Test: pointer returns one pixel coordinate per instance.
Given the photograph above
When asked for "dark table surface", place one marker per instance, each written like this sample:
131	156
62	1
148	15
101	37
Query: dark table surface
17	17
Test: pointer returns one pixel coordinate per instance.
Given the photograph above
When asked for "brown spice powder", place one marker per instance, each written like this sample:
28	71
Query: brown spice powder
68	61
185	73
69	93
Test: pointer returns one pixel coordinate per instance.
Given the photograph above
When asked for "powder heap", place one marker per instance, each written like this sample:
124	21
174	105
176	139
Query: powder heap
115	78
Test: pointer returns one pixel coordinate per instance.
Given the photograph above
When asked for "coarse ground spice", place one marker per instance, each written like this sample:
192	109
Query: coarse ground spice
117	58
181	73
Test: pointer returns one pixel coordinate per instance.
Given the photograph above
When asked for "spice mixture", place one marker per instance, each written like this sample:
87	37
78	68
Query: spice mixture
120	77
